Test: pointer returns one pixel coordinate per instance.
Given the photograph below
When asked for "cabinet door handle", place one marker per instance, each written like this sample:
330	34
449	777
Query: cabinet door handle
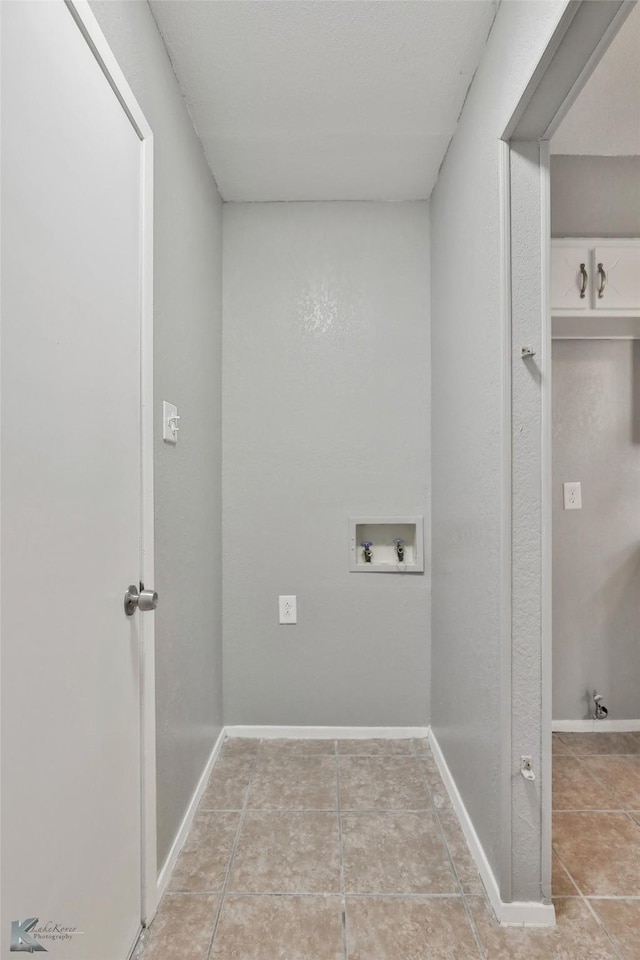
584	279
603	280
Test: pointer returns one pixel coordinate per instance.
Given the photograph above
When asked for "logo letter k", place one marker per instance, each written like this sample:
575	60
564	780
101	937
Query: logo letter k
21	942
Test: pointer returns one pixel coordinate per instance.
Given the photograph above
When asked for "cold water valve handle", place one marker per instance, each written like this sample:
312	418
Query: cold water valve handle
366	546
399	542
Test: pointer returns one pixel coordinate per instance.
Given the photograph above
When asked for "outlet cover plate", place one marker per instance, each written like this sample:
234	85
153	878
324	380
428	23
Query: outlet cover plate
288	609
572	493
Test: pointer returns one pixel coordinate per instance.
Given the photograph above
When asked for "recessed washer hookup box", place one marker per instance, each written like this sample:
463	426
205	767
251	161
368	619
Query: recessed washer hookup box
386	545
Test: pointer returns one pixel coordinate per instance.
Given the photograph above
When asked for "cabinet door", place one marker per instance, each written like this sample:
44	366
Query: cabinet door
616	277
570	278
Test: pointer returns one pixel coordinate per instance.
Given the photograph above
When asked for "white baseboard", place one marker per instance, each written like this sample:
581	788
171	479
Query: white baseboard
595	726
519	913
167	868
325	733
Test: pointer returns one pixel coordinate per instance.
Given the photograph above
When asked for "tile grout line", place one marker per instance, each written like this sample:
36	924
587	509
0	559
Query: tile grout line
582	896
463	896
589	810
343	899
426	809
590	909
233	852
610	791
326	894
604	786
593	897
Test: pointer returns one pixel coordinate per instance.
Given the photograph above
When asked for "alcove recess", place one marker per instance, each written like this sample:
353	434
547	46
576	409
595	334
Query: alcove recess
382	532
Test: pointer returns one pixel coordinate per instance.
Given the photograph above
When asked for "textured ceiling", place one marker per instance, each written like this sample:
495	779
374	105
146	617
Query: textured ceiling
605	119
324	99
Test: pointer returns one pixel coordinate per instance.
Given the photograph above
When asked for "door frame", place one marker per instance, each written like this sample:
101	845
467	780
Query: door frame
90	30
583	33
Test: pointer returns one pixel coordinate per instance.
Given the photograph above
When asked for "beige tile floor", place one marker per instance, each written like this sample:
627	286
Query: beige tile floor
350	850
596	831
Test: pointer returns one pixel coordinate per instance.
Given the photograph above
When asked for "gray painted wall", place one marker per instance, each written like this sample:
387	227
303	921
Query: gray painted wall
467	456
595	196
187	370
596	557
326	416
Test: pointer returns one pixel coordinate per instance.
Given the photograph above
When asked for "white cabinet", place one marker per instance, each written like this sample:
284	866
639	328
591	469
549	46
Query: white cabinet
617	277
595	277
570	277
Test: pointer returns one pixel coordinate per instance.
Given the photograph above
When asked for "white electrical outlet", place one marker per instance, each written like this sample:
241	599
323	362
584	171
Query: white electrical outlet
572	495
288	609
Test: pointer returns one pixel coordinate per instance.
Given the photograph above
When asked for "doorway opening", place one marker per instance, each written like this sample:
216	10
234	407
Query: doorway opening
595	318
583	36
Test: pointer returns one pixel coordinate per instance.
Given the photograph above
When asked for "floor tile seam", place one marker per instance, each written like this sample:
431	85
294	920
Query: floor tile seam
231	858
585	900
404	896
470	919
191	893
554	853
445	891
393	757
377	756
233	892
194	893
336	895
609	812
334	810
604	896
343	902
380	810
291	811
282	752
597	780
293	757
603	927
567	871
318	760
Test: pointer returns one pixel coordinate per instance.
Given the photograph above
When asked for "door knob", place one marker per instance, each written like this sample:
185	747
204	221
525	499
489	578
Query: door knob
145	600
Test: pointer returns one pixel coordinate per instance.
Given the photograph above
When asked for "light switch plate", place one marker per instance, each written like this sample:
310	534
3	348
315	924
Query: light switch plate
170	420
572	492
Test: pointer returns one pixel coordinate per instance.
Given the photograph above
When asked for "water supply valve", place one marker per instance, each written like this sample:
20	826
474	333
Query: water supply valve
366	547
399	542
600	712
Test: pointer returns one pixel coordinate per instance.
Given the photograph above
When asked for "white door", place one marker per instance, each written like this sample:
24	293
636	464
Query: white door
70	496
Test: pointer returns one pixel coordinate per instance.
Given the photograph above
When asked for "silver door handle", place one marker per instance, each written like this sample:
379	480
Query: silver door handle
145	600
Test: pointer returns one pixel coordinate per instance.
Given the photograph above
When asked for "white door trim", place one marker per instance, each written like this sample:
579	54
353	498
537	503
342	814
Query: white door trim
546	505
506	606
82	14
583	33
